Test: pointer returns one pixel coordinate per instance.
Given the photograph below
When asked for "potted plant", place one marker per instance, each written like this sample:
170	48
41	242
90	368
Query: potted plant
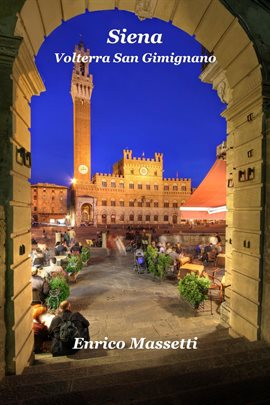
59	291
194	289
74	266
85	255
162	265
150	258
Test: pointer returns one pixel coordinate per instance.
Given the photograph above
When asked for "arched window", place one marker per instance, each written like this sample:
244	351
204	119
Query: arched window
166	204
131	203
156	218
131	186
175	187
113	219
147	218
121	203
156	204
166	218
175	204
183	187
113	204
131	217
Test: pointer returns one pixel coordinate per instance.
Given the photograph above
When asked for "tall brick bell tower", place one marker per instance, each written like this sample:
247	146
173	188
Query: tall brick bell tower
81	91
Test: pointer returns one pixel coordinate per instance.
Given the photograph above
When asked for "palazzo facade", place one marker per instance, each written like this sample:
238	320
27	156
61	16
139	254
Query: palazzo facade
135	192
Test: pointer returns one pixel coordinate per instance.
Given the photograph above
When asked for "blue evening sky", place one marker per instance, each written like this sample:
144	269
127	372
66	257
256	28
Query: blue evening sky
145	107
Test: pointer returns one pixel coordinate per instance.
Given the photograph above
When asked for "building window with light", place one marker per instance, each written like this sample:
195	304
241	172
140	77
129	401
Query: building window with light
166	204
175	187
131	186
104	203
166	218
156	204
156	187
104	183
131	203
112	219
121	203
166	187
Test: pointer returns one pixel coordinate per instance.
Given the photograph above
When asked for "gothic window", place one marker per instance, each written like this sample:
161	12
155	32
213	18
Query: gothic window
122	217
156	187
166	204
166	218
131	186
175	187
155	218
175	205
183	187
147	186
156	204
147	204
104	203
166	187
121	203
113	203
104	218
174	219
131	203
112	219
121	185
140	218
147	218
139	186
82	68
139	203
113	185
104	183
131	217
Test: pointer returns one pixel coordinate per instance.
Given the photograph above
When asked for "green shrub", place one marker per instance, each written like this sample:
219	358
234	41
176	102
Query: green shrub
150	258
85	255
162	264
59	291
74	264
194	289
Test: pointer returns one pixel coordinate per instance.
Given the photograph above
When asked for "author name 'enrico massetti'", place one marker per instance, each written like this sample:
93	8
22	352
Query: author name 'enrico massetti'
136	344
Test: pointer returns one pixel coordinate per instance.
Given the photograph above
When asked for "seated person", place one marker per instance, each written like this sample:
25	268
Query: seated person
76	248
54	269
60	248
40	287
59	346
41	333
37	257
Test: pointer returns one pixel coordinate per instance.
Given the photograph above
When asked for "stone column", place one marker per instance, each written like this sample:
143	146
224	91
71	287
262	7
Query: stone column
8	52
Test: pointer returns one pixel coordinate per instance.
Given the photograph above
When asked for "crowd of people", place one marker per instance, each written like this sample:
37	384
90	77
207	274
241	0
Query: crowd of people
54	331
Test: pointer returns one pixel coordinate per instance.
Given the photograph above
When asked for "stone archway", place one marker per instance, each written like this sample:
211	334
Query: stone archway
86	213
240	78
